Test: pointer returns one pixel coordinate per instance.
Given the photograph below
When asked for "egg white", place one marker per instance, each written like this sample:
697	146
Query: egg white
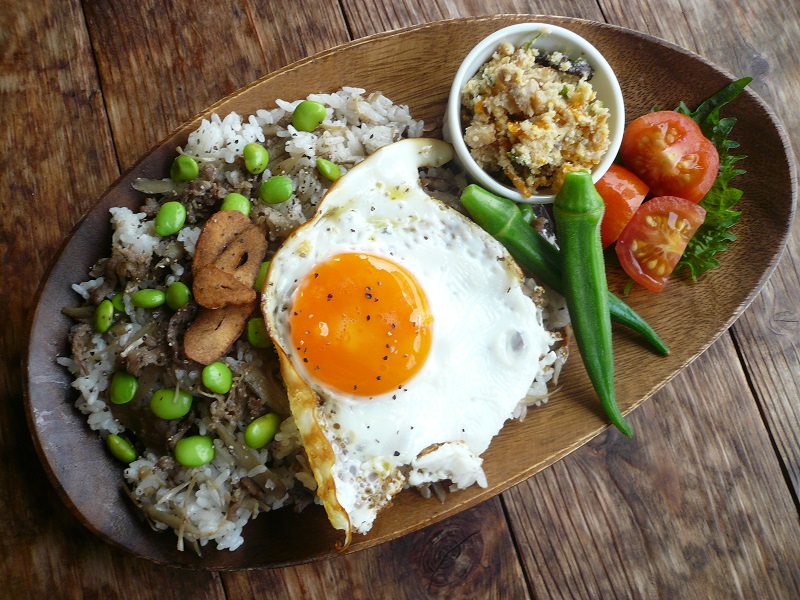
488	336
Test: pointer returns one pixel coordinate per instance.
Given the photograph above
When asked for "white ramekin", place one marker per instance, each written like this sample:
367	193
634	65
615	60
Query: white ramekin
548	38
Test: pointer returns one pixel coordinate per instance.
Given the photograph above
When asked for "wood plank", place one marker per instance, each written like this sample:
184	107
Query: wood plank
204	51
367	17
468	556
694	506
162	63
766	335
289	30
62	159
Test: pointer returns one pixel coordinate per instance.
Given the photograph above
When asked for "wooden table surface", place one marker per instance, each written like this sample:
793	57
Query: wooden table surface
703	503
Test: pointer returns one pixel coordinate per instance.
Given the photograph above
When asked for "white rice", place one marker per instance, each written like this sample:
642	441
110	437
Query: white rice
198	503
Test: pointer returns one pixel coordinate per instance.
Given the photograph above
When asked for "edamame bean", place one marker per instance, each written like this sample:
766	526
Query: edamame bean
121	448
103	316
256	158
148	298
308	115
123	387
119	302
262	431
257	333
217	377
170	218
171	403
258	285
236	201
194	451
328	169
178	294
276	189
184	168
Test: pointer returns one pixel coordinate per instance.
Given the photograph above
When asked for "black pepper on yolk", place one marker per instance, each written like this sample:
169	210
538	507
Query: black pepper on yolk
361	324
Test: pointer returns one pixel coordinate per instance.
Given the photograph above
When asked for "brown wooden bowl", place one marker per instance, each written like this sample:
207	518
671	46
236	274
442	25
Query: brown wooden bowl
414	66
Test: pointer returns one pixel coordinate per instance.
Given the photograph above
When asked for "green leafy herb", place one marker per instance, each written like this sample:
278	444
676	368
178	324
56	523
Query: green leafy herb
714	235
514	157
533	39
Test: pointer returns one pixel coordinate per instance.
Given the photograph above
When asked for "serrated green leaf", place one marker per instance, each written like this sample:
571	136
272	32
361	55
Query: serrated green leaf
714	236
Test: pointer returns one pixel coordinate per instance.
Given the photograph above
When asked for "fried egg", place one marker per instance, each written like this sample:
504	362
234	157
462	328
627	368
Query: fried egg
405	336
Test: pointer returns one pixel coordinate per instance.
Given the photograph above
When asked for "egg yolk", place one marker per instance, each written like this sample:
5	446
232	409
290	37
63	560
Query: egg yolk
361	324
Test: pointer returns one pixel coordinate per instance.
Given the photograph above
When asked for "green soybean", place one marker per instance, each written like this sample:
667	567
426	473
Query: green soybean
148	298
257	333
103	316
171	403
178	295
262	431
184	168
194	451
328	169
236	201
276	189
308	115
123	387
217	377
121	448
119	302
256	158
170	218
258	285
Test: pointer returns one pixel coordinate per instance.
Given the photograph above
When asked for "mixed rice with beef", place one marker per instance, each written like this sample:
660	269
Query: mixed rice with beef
213	502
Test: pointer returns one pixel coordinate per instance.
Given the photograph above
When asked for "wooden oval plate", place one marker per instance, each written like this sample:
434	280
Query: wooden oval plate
400	64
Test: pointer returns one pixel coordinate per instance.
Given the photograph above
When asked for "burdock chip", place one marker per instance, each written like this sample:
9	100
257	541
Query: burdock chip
215	288
213	332
233	243
227	258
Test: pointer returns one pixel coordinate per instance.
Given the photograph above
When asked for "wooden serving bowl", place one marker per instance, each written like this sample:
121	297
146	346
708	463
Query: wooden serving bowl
415	66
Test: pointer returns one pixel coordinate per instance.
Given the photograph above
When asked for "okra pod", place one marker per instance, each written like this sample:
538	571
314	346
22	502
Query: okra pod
578	210
502	219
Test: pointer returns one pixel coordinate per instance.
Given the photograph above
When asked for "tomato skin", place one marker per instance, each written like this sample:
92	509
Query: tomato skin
653	241
623	192
669	152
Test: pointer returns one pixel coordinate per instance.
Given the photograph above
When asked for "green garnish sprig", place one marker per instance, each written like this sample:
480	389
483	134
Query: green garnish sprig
714	235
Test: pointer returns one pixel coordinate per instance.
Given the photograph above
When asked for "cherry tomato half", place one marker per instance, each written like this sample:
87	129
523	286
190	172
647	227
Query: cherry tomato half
623	193
653	241
670	154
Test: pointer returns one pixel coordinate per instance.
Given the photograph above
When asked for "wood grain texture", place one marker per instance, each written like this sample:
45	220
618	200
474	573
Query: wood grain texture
703	466
698	504
469	556
767	335
573	415
57	157
368	17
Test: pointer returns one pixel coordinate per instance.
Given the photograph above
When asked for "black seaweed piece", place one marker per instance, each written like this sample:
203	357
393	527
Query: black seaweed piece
579	66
